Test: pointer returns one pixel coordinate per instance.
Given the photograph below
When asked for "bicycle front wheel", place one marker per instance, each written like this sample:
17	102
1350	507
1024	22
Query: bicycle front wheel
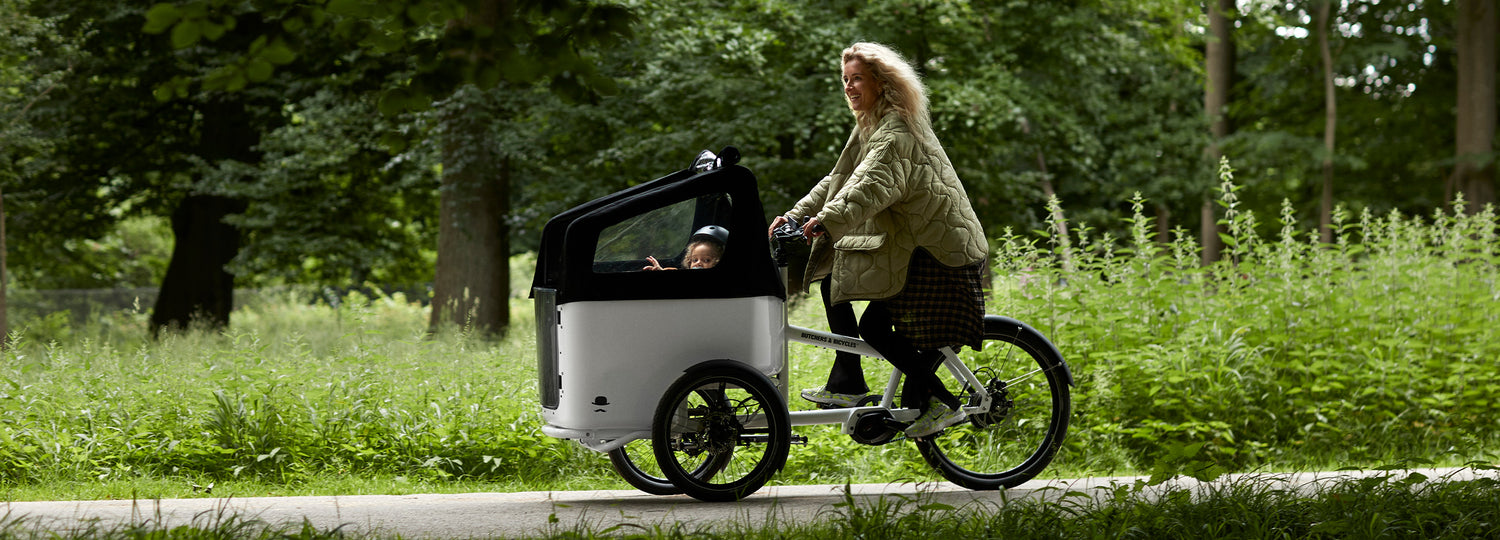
1020	432
728	416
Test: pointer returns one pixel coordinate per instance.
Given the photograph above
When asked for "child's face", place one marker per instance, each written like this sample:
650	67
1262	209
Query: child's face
701	255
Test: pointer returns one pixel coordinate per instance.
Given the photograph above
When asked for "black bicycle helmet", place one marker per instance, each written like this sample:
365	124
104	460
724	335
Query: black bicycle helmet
711	232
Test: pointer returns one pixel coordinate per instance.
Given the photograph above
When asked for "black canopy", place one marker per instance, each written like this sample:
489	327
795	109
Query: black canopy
726	196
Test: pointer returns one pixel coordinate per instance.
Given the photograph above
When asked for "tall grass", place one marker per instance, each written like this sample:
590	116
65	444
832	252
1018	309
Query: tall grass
1378	347
293	392
1375	349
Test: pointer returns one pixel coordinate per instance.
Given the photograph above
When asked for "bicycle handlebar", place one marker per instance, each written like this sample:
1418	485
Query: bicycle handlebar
791	230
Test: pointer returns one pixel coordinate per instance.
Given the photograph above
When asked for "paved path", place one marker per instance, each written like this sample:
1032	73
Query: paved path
511	515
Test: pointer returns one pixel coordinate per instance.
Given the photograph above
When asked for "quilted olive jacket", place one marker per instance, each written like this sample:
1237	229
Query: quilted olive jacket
886	197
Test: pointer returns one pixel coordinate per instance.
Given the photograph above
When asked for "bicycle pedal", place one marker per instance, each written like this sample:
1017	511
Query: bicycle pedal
799	440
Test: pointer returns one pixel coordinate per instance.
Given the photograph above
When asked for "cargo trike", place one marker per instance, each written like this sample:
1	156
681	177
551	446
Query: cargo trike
682	377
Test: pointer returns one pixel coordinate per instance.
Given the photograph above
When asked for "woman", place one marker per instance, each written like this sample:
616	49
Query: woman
892	224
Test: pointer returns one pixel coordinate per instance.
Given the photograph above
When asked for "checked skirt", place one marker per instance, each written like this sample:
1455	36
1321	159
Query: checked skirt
940	306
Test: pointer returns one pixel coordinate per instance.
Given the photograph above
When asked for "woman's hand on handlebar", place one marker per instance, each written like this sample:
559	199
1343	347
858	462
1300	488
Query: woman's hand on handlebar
785	228
779	221
813	228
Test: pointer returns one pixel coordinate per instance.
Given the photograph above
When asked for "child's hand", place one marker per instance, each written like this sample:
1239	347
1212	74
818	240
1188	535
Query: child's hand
655	265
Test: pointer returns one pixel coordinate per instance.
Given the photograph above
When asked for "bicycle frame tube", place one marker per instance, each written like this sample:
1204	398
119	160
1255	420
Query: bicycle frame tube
967	377
828	340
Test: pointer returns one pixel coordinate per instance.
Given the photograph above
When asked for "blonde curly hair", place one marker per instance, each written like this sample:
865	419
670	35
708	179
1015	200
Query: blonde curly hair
902	91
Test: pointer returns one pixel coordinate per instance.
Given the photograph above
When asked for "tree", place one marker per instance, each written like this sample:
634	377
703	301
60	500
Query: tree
20	89
118	150
489	132
1474	169
1330	124
8	67
197	288
472	282
697	75
4	322
331	204
1394	85
1096	110
446	47
1220	59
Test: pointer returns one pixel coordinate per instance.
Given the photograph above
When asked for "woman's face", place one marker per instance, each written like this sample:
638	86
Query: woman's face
860	86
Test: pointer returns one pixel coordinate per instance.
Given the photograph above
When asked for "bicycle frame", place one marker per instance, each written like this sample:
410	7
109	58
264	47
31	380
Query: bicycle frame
845	416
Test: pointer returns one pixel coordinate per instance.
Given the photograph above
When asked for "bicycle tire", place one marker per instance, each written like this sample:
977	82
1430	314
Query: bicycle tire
636	463
1021	432
721	412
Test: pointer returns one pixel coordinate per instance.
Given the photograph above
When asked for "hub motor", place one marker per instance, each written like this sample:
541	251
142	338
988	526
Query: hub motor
1000	404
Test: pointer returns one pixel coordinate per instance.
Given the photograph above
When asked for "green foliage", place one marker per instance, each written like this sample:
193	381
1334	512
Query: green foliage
1106	104
446	43
1291	355
1288	351
1105	94
133	254
1291	351
220	524
1395	85
329	160
21	85
764	77
1391	505
273	104
375	398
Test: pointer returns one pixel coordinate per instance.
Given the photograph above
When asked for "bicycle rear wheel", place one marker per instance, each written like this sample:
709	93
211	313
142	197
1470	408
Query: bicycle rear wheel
636	463
1026	422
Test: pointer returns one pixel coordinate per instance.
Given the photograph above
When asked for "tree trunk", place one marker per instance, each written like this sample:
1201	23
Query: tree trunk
1057	217
472	282
4	324
1330	124
1049	192
197	289
1163	224
1474	172
1219	57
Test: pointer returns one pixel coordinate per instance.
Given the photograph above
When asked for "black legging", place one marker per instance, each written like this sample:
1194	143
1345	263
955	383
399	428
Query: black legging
919	367
847	375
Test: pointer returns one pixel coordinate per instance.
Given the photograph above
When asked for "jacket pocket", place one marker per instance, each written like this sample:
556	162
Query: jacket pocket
860	242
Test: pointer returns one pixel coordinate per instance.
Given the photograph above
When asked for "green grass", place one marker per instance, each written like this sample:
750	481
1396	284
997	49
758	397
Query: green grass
1375	349
218	526
1394	505
1390	506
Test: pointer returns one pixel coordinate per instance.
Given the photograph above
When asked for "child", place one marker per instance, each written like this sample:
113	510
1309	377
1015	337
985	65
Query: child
704	249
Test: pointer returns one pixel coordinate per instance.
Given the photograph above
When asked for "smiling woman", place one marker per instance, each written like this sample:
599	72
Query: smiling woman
860	86
892	225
